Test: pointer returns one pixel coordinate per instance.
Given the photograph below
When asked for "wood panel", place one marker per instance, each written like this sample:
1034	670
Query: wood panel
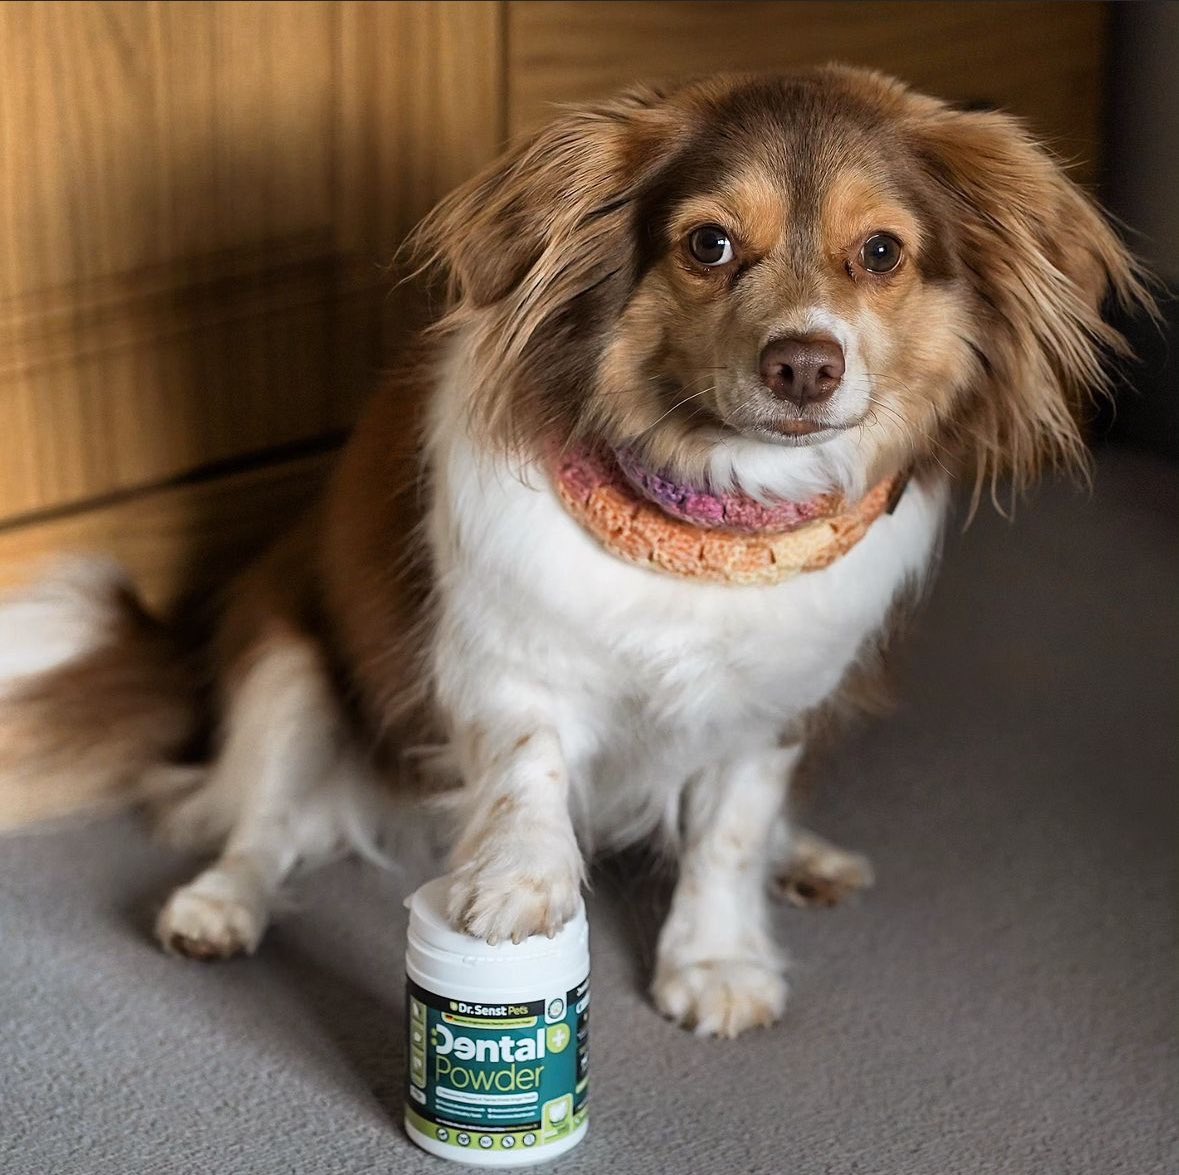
422	108
422	94
197	205
1040	60
175	540
158	163
136	133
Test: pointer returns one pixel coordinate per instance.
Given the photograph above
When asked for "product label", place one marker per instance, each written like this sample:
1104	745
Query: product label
498	1076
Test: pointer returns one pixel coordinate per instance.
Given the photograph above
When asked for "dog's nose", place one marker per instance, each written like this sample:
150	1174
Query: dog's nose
803	370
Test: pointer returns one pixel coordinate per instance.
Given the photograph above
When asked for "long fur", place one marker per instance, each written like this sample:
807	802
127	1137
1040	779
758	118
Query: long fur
441	625
93	694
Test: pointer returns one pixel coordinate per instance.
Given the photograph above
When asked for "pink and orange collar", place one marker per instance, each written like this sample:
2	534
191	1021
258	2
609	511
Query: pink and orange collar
657	523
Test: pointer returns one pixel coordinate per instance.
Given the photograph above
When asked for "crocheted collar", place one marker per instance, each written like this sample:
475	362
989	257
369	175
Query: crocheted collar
654	522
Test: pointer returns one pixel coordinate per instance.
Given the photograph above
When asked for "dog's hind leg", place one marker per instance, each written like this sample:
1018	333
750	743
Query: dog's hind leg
284	790
811	871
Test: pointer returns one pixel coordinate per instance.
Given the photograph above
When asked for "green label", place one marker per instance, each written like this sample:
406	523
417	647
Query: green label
498	1076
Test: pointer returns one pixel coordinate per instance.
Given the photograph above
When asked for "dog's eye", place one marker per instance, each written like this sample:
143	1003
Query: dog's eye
710	245
881	253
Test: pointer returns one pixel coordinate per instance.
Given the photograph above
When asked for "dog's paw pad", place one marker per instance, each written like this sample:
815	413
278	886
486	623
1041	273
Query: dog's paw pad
512	905
206	926
822	875
722	998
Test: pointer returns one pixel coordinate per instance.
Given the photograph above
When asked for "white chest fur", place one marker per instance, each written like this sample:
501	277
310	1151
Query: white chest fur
645	678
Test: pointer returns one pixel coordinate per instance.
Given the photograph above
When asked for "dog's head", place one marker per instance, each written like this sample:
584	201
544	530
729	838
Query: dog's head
788	283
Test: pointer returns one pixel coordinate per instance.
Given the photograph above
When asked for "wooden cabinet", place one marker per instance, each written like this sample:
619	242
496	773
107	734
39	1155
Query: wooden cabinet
199	202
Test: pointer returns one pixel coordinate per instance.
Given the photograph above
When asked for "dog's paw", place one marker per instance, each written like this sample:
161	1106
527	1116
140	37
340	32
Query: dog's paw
207	920
819	874
499	903
721	998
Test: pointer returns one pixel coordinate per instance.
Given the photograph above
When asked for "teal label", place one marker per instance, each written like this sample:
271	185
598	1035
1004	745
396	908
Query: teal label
498	1076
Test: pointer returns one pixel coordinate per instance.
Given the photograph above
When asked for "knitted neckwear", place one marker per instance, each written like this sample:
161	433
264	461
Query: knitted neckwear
652	521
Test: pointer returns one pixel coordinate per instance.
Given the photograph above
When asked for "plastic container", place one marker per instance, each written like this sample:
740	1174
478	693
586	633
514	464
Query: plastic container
498	1039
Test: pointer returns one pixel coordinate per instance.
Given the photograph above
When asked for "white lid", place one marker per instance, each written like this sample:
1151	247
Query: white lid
448	962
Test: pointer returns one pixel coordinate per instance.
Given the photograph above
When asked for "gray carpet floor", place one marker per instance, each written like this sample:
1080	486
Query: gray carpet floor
1003	1001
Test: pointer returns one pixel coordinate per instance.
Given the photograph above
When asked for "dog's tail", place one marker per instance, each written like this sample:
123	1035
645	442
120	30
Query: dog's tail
94	692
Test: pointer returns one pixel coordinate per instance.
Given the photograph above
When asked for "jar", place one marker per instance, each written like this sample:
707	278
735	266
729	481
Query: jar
498	1047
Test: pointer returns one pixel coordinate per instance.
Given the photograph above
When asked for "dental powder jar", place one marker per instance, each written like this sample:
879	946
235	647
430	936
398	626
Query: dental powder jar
498	1039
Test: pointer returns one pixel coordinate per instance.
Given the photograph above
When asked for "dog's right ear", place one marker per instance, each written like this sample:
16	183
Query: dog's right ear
542	212
541	251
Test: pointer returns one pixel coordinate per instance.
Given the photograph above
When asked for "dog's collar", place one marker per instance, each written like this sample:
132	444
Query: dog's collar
654	522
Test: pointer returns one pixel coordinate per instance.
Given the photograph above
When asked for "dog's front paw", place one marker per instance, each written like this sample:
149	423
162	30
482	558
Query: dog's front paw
720	998
497	902
215	917
209	920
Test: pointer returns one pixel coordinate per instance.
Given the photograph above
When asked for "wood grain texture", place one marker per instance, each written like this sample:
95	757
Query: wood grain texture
1039	60
163	168
422	108
198	202
176	540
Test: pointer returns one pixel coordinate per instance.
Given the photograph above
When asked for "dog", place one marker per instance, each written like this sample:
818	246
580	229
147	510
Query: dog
714	357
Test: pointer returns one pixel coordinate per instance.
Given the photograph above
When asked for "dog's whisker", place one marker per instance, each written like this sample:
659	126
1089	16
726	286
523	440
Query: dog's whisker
678	404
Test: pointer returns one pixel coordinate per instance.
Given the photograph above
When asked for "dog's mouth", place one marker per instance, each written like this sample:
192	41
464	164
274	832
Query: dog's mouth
797	430
810	425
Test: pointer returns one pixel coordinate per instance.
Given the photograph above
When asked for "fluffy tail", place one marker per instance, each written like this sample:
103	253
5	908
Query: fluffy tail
93	693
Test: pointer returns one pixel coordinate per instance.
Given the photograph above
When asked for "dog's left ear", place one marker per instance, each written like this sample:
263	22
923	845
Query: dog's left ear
1041	262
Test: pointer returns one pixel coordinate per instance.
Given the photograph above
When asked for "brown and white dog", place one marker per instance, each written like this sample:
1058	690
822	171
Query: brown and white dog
777	289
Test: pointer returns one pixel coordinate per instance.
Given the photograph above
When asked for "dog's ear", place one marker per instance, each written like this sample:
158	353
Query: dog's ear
553	189
542	248
1041	262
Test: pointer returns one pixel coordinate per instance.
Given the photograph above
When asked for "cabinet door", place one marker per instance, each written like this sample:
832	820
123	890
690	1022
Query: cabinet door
199	203
192	198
